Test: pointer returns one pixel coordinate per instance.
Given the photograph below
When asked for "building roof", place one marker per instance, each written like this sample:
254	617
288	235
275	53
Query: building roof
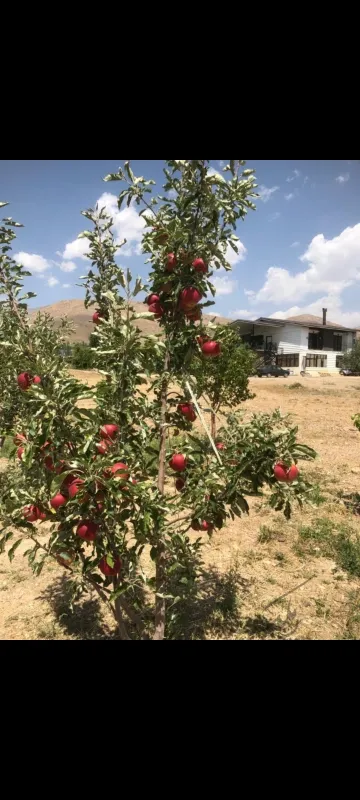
305	320
313	320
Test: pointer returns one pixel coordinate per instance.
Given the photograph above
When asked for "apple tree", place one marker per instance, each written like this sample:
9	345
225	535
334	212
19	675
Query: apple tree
115	481
224	381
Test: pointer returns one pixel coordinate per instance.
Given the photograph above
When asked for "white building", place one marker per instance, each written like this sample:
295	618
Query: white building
304	343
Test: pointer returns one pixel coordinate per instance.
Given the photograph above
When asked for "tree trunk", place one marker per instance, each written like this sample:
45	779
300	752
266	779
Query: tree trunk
160	606
213	425
119	617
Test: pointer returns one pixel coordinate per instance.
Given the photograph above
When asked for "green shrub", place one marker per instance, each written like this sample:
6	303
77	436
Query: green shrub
82	356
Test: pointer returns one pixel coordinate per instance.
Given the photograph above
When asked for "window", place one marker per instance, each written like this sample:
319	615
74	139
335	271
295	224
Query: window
316	360
337	341
315	340
289	360
268	343
339	361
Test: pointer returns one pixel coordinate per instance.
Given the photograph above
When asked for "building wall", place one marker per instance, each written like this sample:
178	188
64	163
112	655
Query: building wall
293	339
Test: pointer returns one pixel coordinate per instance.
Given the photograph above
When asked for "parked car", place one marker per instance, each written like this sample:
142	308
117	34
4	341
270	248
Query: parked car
349	372
272	371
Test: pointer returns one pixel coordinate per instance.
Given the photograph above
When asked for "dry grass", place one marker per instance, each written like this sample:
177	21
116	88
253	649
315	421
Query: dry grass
261	581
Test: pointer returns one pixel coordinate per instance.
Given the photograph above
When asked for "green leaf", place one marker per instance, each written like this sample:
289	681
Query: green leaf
143	315
13	549
129	170
112	176
138	286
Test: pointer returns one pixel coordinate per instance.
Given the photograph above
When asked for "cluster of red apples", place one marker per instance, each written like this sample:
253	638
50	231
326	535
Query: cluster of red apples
72	484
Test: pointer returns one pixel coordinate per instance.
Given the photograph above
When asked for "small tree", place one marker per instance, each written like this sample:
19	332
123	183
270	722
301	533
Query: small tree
110	479
81	356
225	380
351	360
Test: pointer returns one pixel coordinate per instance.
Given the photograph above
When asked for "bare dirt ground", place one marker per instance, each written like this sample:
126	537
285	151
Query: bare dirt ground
267	587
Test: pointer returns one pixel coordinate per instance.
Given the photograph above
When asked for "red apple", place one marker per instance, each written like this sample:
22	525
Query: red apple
20	451
171	262
109	431
19	438
201	526
70	479
187	410
178	462
280	471
45	446
33	513
36	379
201	340
211	349
292	473
157	309
58	501
184	408
153	298
24	381
87	529
49	464
180	484
199	265
189	298
119	467
97	316
103	446
74	487
107	570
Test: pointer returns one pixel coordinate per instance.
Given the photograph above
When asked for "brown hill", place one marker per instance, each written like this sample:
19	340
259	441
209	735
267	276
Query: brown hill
81	317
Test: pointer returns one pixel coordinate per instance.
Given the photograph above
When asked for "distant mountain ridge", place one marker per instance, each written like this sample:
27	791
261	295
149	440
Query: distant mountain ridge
81	317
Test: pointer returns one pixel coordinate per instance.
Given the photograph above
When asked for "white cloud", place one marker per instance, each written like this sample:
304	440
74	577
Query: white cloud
295	174
31	261
274	216
243	314
306	179
224	285
126	225
221	163
335	312
295	244
266	193
234	258
342	178
76	249
66	285
333	264
52	281
67	266
289	196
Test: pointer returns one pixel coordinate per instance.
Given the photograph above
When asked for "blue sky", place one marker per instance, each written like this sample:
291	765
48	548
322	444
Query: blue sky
300	248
